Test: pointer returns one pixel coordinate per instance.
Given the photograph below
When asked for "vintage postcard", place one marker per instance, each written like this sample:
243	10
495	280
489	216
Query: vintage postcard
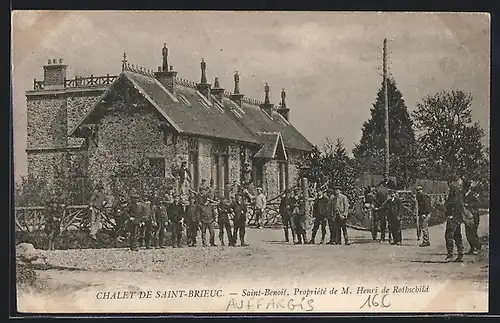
251	162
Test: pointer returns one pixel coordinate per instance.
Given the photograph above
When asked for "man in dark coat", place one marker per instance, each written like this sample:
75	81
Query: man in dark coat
53	213
394	207
176	218
224	221
471	202
286	208
135	216
332	226
192	221
121	217
380	212
320	211
424	214
148	224
161	217
454	218
299	217
239	210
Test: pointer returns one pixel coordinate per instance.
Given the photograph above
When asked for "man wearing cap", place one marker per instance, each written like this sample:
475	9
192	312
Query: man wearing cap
320	210
192	221
424	214
393	207
121	217
176	217
285	208
148	222
379	219
160	212
340	210
299	217
471	203
54	213
260	206
134	212
239	210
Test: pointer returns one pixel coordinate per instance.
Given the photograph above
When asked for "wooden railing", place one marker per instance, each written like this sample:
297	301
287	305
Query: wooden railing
81	82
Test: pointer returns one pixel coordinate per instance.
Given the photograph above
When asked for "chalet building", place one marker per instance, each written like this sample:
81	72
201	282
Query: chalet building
95	126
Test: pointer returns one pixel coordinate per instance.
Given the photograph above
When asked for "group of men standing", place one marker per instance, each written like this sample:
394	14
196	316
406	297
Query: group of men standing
146	219
330	207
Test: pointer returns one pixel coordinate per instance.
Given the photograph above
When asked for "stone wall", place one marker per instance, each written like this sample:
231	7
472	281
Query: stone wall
128	136
46	122
45	165
205	159
271	177
294	160
78	105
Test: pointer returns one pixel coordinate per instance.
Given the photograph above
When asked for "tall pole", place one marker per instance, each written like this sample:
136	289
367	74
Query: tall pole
386	108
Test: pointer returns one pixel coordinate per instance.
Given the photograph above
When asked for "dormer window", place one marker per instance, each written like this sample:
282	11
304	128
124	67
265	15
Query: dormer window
203	104
219	107
184	100
237	113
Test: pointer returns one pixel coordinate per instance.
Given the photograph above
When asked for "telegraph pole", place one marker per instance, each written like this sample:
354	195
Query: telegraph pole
386	108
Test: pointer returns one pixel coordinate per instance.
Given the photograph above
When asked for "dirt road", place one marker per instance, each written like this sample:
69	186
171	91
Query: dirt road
267	259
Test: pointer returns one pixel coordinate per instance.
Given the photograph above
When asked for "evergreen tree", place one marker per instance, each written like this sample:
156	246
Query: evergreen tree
369	153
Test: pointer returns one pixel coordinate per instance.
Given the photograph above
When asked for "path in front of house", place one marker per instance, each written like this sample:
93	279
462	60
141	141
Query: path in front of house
268	258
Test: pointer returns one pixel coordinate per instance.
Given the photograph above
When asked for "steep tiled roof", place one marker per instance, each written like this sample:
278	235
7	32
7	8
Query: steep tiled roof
195	117
188	111
256	120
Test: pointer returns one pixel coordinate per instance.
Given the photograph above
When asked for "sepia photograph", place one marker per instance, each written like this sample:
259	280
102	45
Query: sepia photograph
251	161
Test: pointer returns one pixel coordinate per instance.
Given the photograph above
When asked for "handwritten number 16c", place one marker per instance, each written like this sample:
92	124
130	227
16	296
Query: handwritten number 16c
371	301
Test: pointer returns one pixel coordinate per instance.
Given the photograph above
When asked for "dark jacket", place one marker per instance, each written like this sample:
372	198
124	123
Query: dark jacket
176	212
134	211
321	207
381	195
240	213
192	214
424	204
206	213
224	211
394	208
283	206
54	213
454	208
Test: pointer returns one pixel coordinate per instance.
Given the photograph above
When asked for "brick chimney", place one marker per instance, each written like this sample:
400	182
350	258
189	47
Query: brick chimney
283	110
167	77
203	87
217	91
267	106
54	73
237	96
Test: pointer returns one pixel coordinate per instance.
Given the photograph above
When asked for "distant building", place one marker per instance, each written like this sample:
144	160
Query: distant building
94	126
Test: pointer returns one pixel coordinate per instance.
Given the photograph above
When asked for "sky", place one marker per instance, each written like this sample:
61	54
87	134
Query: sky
329	63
